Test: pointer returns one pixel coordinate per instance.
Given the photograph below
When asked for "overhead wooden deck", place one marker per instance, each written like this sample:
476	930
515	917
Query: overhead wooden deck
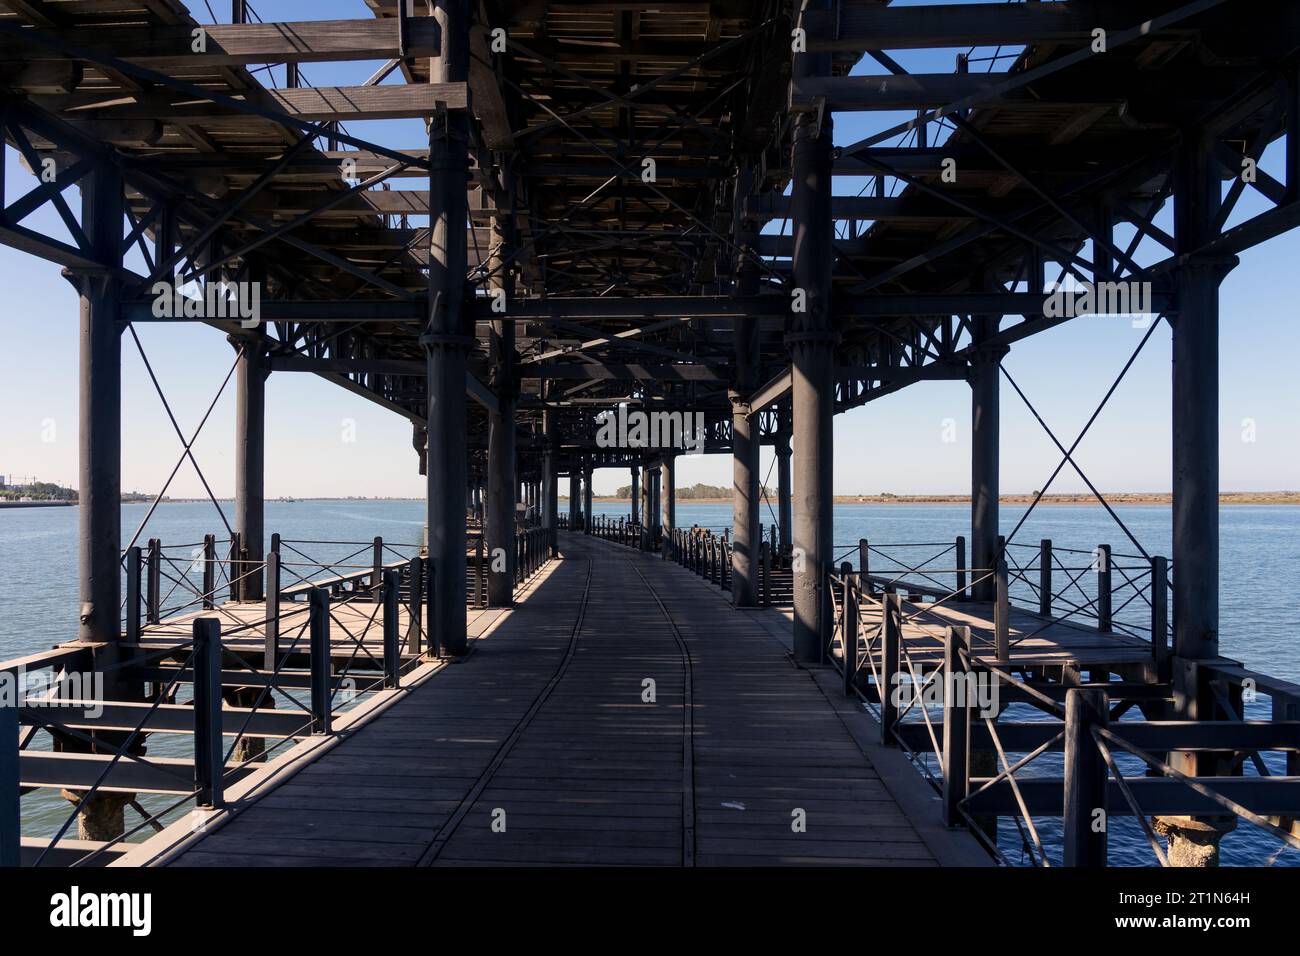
543	730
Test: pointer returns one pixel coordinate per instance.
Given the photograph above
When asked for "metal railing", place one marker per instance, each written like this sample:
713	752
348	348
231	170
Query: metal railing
224	686
940	697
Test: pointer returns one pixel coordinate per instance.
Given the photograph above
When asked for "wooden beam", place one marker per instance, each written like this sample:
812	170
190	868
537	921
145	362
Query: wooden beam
769	207
570	370
303	104
164	718
372	102
234	44
773	391
857	26
911	92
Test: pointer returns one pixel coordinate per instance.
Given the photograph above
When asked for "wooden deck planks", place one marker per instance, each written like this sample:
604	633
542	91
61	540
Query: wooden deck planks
562	748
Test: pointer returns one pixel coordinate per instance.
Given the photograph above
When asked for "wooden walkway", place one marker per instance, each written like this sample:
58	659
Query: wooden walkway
544	747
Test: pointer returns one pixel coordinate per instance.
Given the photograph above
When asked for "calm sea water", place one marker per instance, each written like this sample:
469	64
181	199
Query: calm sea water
1259	546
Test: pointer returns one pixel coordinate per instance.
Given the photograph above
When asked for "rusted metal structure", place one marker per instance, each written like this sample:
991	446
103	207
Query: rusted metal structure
591	231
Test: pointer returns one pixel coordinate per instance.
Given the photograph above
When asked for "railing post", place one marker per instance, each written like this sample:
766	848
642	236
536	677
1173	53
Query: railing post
956	725
1160	617
209	570
153	581
271	656
235	566
10	797
392	645
377	565
1001	611
891	653
1103	588
415	629
864	559
849	631
1045	577
767	574
960	545
318	601
429	596
134	560
1085	778
209	754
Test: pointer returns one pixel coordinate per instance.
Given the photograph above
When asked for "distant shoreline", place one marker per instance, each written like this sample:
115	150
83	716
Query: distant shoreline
1123	498
1117	498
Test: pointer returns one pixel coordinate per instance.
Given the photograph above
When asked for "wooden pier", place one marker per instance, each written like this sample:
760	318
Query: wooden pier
634	234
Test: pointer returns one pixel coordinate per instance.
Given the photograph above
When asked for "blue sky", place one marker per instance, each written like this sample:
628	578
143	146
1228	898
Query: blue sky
895	444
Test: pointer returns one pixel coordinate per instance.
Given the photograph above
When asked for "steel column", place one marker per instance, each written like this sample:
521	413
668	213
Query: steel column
784	517
985	394
812	341
647	506
100	448
668	501
1196	408
636	491
446	341
499	523
586	499
550	480
745	531
250	462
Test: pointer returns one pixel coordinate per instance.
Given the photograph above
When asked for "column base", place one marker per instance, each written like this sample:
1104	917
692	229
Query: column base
1191	841
248	748
102	817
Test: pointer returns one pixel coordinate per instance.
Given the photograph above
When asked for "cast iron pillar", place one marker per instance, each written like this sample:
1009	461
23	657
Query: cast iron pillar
1195	340
636	491
746	536
668	498
985	394
1194	841
784	517
100	475
586	498
551	479
250	461
812	343
446	340
503	465
647	506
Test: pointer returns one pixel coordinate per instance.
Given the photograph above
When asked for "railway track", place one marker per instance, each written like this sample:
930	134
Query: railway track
510	745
